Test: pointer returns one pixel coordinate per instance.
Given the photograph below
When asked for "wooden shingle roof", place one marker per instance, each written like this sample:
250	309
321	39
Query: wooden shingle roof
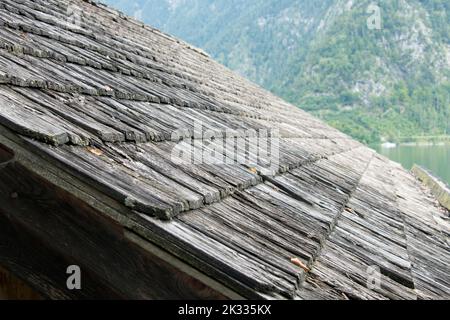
99	96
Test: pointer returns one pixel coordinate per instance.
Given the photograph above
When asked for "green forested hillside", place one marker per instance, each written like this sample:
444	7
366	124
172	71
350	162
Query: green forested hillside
321	55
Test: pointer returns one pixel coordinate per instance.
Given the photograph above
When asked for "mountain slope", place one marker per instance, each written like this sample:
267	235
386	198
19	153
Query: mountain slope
322	56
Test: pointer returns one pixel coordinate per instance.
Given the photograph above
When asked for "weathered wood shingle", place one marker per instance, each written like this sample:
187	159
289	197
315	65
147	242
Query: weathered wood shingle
102	100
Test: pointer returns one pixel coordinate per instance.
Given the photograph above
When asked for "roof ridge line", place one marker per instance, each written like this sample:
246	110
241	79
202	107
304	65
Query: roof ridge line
31	29
334	222
301	276
129	18
17	50
265	178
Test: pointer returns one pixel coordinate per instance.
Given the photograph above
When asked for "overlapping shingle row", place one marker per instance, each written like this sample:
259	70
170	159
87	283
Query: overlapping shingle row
103	96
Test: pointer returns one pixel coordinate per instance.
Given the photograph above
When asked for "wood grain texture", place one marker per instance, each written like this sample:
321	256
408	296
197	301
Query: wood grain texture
105	103
12	288
438	188
45	230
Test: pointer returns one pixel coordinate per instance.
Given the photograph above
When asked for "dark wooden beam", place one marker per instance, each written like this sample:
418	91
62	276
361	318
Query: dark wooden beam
44	229
13	288
27	257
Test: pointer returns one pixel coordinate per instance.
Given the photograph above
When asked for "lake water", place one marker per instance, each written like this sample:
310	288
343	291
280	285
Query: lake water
435	158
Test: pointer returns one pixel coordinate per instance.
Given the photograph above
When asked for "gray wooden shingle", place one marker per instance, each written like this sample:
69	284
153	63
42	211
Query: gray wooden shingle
103	101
